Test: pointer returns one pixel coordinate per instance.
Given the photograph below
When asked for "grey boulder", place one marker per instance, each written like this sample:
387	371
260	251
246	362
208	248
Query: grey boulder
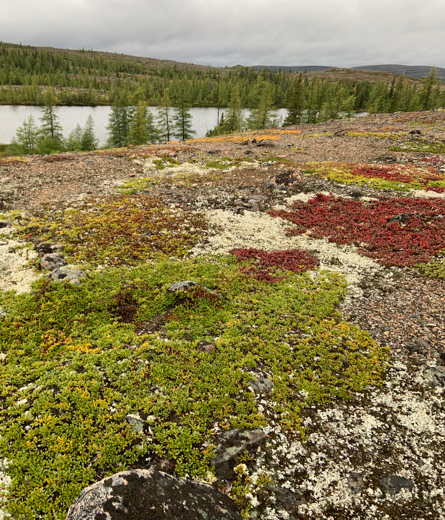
434	376
48	247
52	261
66	274
394	484
151	495
232	444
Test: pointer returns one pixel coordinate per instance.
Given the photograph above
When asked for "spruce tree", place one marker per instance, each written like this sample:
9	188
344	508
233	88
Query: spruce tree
426	94
164	117
74	141
142	127
50	130
89	141
296	104
182	119
233	120
260	116
119	123
26	137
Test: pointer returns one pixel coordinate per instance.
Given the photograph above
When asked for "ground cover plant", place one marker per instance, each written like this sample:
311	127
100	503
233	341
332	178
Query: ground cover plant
400	177
264	264
119	230
378	135
395	232
419	146
79	359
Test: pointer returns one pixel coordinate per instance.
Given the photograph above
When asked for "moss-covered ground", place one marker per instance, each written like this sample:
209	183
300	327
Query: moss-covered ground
124	230
79	359
399	177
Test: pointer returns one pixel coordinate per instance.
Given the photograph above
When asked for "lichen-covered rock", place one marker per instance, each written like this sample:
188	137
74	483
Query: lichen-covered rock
435	376
231	445
188	285
52	261
137	423
182	286
394	484
48	247
66	274
261	384
151	495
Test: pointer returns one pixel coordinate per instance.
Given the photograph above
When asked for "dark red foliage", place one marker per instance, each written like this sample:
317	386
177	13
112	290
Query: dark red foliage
399	231
265	264
398	174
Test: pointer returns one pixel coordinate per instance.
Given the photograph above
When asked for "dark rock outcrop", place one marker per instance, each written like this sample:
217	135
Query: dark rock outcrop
231	445
52	261
151	495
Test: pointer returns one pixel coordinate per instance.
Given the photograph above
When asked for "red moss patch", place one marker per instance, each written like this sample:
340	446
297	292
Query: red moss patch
400	231
265	264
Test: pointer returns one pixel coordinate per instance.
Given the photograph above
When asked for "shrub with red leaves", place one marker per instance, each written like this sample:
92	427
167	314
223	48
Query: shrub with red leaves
265	264
398	174
401	231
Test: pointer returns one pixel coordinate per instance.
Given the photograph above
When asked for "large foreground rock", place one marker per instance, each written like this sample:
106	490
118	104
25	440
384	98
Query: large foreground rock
151	495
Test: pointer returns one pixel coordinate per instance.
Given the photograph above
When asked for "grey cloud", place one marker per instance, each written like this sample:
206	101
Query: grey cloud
227	32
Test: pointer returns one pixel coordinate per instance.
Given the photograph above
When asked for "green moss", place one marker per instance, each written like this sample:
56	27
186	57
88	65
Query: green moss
419	146
120	230
164	162
222	165
282	160
134	186
435	268
79	359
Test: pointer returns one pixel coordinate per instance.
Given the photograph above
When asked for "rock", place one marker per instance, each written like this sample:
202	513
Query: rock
2	356
4	224
261	384
285	179
205	346
137	424
187	285
52	261
394	484
150	495
415	132
182	286
286	499
65	274
423	343
249	152
48	247
266	142
435	376
232	444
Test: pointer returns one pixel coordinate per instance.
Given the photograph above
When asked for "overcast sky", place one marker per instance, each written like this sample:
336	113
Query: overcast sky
229	32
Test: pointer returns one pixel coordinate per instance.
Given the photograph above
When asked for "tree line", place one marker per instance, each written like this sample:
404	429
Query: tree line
130	122
26	74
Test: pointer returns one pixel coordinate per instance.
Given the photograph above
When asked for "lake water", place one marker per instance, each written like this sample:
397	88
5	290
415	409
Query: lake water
11	117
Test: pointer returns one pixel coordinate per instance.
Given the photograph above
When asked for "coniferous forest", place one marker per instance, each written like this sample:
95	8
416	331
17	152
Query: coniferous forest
51	77
93	78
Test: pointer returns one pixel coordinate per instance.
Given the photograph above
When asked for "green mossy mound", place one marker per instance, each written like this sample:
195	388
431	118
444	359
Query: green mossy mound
123	230
79	359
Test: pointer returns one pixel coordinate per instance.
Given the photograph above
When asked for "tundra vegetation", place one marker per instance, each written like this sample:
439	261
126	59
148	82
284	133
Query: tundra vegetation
77	360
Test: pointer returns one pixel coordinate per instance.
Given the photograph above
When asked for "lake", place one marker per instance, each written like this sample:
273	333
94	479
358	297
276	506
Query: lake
11	117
